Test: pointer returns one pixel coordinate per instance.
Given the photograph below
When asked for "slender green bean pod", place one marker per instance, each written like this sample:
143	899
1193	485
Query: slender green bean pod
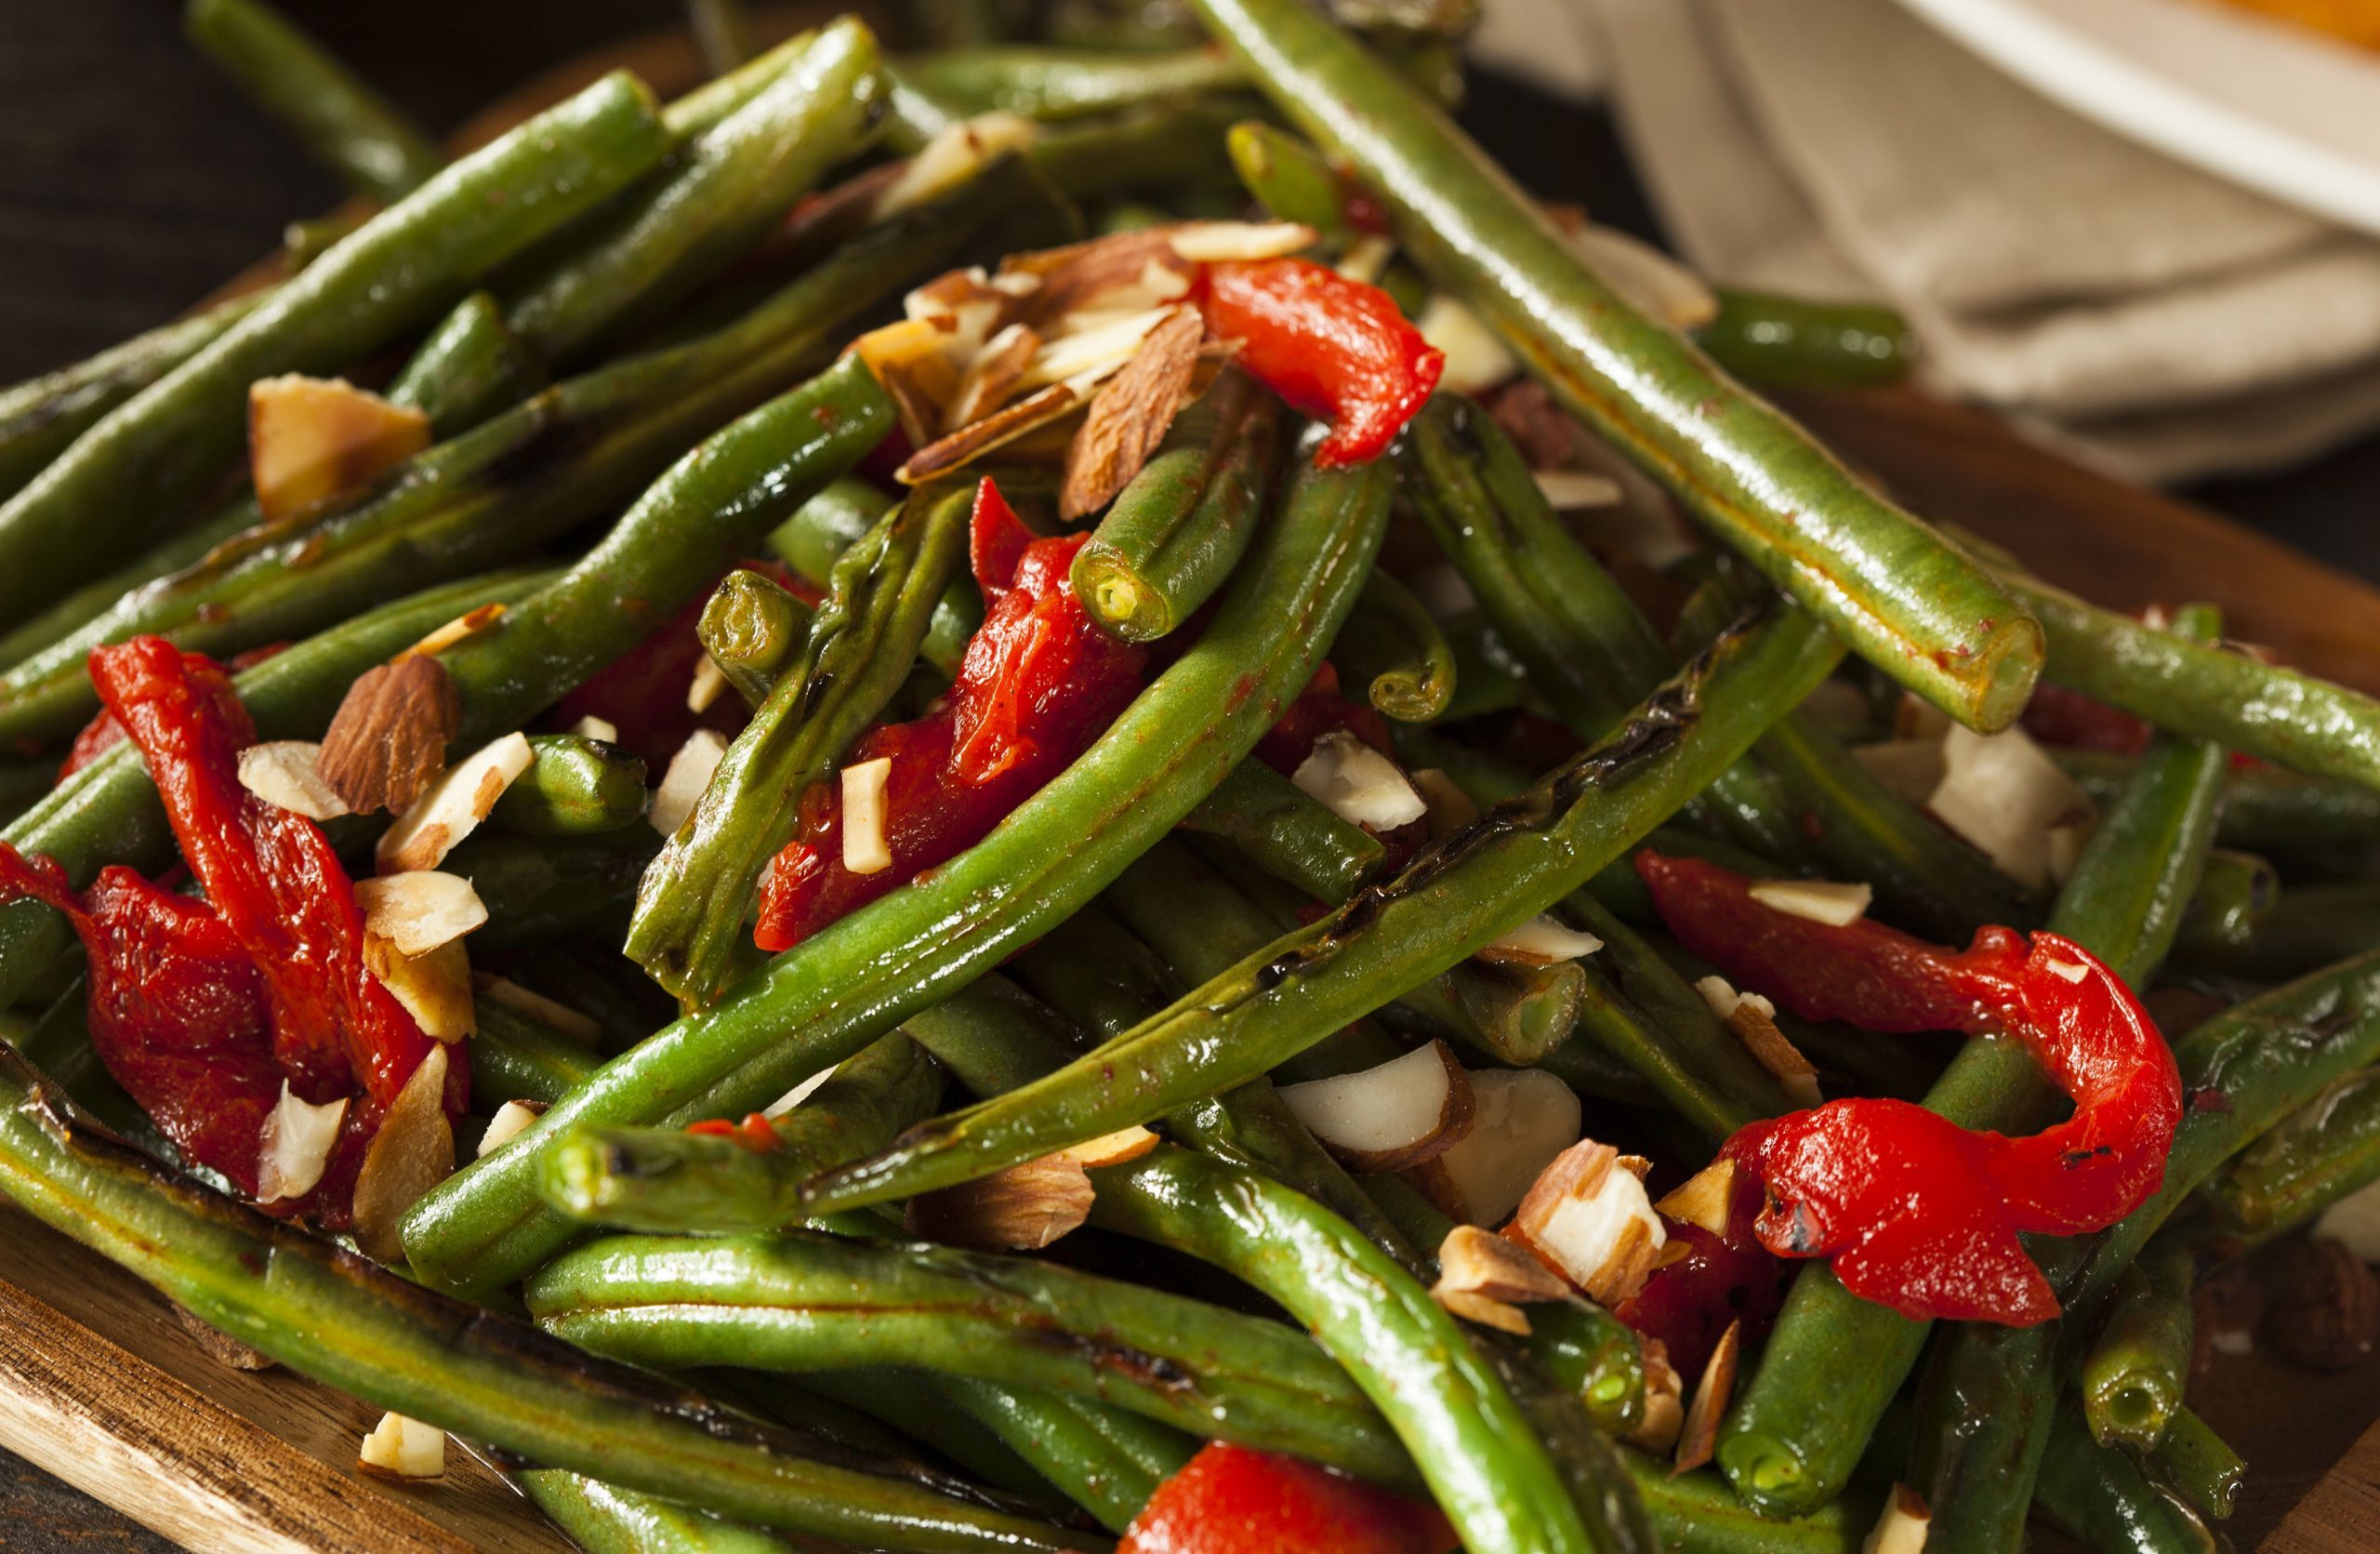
2307	928
2196	1464
2138	1365
831	522
574	786
2236	895
2101	1496
333	113
913	1405
668	1179
1291	178
1394	652
339	1318
752	628
1175	531
1902	596
1042	83
992	1035
604	1518
1279	829
874	969
161	447
1517	859
2310	1159
1696	1513
689	926
515	1058
539	889
2265	808
800	1300
1793	343
471	368
1104	1460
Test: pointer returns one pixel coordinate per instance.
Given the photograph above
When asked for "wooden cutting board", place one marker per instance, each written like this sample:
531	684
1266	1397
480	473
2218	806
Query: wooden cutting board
100	1385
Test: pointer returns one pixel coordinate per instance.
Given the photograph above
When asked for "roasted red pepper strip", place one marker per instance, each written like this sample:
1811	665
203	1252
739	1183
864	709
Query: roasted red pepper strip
1721	1279
1916	1212
756	1132
1331	347
1234	1500
271	876
1039	682
102	734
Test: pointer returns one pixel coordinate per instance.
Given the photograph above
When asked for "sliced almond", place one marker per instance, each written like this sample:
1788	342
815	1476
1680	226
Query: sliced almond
1577	490
1521	1120
1115	273
1022	1208
1699	1435
1650	280
1705	1199
1664	1402
560	1018
434	988
310	439
512	1120
952	156
287	775
419	911
1480	1262
1112	1148
710	683
1486	1310
1587	1217
592	727
1130	416
387	740
1903	1526
991	377
1390	1117
1477	359
681	786
295	1147
401	1448
1836	903
1006	425
1908	769
464	626
2003	794
1225	242
452	807
1357	783
865	850
1094	355
1754	1024
413	1152
1447	806
1541	941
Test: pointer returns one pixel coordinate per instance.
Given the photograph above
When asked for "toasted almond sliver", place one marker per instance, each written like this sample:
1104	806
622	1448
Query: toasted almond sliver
1703	1198
401	1448
561	1018
1129	417
311	439
1664	1401
452	807
990	378
592	727
1903	1526
1480	1262
1477	359
710	683
1220	241
1835	903
1450	807
1773	1050
413	1152
1391	1116
1355	782
1366	257
1112	1148
470	623
1541	941
682	784
1099	353
952	158
434	988
420	910
1588	1218
1698	1436
865	851
1006	425
284	773
1572	490
1486	1310
512	1120
296	1144
1022	1208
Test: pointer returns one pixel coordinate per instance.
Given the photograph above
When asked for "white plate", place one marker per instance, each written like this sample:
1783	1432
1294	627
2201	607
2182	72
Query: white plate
2272	106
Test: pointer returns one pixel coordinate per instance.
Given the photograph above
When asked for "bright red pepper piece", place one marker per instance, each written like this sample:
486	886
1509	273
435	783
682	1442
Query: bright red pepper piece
1038	684
1329	346
1234	1500
1917	1212
102	734
756	1132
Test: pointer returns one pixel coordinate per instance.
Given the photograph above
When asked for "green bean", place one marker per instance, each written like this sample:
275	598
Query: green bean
1900	594
1040	83
335	114
2194	1462
799	1300
722	32
830	523
752	628
1794	1436
1104	1460
1793	343
859	977
604	1518
2307	928
2258	708
1393	652
2099	1494
350	1324
917	1405
992	1035
1175	149
668	1179
1514	861
2310	1159
41	418
1176	531
719	195
79	607
1513	1012
108	812
692	908
1486	676
1272	823
1291	178
2134	1376
1485	1464
574	786
161	447
1696	1513
539	888
515	1058
2265	808
471	368
2235	896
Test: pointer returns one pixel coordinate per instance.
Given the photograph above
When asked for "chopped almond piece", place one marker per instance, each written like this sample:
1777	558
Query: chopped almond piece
512	1120
1664	1402
413	1152
1753	1023
1903	1526
1698	1436
1541	941
296	1145
1391	1116
310	439
401	1448
1835	903
592	727
1703	1198
1224	241
1093	355
1476	357
865	850
2003	794
1006	425
464	626
419	911
435	989
708	684
1130	416
1587	1218
1123	271
1022	1208
1486	1310
952	158
389	739
1449	808
991	377
1573	490
1112	1148
451	808
1521	1120
1479	1262
286	774
681	786
1357	783
560	1018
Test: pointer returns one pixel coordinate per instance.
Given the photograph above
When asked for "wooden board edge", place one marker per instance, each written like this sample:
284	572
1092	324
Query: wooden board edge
2342	1513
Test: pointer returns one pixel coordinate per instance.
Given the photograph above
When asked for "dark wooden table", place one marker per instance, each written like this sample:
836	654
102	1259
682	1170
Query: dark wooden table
132	182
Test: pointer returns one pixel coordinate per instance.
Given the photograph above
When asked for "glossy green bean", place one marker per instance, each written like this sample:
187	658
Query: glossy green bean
1393	653
471	368
80	607
1049	84
604	1518
1696	1513
668	1179
1104	1460
2237	894
1291	178
800	1300
992	1035
333	113
2265	808
575	786
1902	596
515	1058
1516	860
539	889
2310	1159
2134	1376
859	977
752	628
338	1318
917	1406
2196	1464
1794	342
1266	820
689	929
145	459
2099	1494
1175	531
2307	928
830	523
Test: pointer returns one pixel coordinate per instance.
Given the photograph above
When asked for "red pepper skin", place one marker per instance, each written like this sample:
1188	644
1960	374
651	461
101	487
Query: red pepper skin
1917	1212
1038	684
1722	1278
1321	709
756	1132
271	876
102	734
1331	347
1232	1500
